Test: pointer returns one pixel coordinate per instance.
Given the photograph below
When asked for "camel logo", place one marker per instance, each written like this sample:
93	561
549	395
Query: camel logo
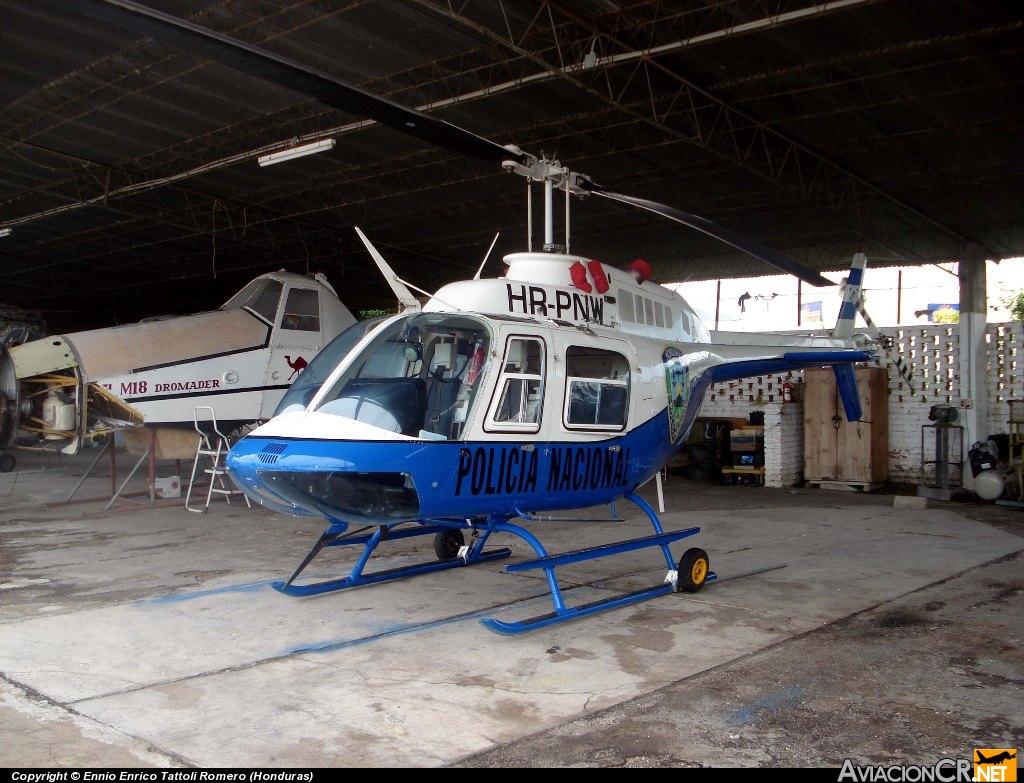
995	764
297	366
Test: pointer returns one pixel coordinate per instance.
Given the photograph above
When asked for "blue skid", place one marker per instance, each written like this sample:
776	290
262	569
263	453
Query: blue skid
481	530
333	537
561	612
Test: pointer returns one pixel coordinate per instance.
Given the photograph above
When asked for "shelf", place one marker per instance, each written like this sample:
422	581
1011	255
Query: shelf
737	472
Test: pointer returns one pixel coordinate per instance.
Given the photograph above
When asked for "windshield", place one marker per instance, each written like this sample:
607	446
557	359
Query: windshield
319	370
261	297
417	376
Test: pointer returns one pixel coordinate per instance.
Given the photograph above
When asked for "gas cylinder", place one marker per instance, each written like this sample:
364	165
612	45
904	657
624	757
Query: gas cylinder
58	415
787	392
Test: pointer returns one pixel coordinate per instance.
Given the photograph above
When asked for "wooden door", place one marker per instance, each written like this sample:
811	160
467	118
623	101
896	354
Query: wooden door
839	450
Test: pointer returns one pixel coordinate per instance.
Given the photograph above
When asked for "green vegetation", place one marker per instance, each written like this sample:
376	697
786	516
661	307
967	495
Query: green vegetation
364	314
1015	304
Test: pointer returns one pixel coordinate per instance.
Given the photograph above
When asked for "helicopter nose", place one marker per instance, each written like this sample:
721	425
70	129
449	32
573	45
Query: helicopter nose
376	498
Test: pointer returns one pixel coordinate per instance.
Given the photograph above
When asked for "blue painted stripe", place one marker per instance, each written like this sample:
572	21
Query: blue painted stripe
856	276
251	587
848	311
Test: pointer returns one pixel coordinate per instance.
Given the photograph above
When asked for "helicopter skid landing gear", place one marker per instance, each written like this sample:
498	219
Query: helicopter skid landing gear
692	573
448	543
689	574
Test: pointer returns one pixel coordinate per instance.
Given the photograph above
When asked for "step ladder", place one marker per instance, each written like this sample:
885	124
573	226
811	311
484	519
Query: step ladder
211	450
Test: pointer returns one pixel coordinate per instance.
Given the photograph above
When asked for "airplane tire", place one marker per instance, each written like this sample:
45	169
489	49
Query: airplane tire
693	570
7	462
448	543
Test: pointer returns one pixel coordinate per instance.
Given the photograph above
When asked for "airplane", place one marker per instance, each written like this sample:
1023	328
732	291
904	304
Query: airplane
564	383
72	391
996	759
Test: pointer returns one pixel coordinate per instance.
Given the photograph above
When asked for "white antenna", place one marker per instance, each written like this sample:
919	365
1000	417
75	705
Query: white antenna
405	297
486	256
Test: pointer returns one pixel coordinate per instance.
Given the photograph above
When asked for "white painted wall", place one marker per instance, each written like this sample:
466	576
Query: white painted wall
932	353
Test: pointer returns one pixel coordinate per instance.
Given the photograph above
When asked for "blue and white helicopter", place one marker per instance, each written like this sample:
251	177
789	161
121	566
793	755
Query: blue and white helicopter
563	384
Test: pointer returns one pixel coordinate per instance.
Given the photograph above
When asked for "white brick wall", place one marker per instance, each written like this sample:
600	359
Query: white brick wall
931	353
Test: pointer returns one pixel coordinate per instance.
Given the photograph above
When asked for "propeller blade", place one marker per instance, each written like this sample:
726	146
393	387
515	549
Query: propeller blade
292	75
704	225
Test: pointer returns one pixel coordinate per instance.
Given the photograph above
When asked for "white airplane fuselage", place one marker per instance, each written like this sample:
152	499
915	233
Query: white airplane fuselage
75	389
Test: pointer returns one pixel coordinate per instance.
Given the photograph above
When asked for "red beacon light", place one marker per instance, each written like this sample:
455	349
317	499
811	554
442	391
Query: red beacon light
641	270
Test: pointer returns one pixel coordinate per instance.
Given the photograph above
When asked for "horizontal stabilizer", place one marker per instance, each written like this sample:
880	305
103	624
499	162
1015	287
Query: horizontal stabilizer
796	360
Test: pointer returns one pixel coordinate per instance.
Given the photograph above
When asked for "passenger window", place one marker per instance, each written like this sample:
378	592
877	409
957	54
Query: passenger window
626	306
597	389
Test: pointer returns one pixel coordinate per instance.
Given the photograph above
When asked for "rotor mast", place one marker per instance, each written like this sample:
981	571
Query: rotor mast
555	177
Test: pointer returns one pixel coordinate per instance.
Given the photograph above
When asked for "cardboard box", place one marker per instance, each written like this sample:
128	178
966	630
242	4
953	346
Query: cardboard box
167	487
747	460
744	440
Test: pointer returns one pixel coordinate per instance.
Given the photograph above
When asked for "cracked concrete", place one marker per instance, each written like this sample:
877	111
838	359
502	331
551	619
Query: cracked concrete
843	626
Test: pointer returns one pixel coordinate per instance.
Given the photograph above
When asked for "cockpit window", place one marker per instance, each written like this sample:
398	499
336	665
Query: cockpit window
302	310
320	368
238	300
261	297
418	376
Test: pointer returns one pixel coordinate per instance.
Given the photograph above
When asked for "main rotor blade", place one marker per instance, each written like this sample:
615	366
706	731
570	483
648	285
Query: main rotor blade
290	74
704	225
332	91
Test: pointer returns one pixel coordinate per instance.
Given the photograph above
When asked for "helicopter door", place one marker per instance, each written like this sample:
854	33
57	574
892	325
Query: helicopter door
519	398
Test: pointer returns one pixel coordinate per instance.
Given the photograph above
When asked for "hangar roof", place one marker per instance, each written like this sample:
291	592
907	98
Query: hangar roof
130	183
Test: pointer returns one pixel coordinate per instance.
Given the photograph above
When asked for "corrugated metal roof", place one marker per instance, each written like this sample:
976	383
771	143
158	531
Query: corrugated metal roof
128	171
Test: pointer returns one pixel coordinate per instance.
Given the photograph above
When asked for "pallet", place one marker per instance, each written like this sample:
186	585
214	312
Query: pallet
848	486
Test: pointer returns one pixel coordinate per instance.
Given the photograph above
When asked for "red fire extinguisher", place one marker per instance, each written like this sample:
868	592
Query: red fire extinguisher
787	392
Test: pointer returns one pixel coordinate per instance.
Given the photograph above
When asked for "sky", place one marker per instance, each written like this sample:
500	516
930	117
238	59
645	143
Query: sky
894	296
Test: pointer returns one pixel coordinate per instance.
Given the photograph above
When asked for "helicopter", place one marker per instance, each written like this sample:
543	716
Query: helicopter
72	391
564	383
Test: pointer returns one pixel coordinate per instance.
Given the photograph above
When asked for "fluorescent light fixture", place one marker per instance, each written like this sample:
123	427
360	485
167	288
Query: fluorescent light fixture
5	232
296	152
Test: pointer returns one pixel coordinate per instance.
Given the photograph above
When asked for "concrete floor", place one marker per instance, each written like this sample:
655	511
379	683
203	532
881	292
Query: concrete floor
143	635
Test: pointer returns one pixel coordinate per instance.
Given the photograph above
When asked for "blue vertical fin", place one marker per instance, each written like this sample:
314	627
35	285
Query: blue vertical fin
846	383
846	379
852	291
